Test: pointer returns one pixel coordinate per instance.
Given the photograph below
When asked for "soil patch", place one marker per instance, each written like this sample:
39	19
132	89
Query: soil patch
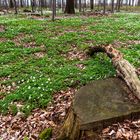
74	53
17	127
18	40
2	28
39	54
3	40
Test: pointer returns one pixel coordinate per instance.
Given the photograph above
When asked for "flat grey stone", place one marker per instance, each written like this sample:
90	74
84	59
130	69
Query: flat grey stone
104	102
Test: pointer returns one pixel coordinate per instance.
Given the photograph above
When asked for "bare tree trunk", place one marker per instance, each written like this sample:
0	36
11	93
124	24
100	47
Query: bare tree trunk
126	5
62	5
40	3
104	7
138	2
99	3
21	3
69	7
80	5
129	2
6	4
85	4
15	5
91	5
119	5
112	6
75	3
33	5
11	4
132	2
53	9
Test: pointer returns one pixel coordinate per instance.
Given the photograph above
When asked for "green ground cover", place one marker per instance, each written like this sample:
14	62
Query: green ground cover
40	58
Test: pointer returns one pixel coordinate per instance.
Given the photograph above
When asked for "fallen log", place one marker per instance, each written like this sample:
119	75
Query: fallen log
124	69
104	102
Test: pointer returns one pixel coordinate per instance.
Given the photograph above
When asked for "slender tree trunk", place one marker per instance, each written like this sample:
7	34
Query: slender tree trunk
119	5
33	5
138	2
129	2
59	4
40	3
91	5
132	2
104	7
15	6
80	5
112	6
75	4
6	4
27	3
21	3
126	5
116	6
99	2
85	4
62	5
53	9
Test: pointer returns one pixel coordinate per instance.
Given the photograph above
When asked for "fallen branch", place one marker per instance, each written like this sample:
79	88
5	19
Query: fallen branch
124	69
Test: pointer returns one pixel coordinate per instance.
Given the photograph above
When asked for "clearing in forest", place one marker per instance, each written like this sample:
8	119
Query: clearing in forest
40	58
43	61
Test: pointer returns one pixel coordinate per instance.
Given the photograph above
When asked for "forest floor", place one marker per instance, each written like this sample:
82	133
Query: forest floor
43	63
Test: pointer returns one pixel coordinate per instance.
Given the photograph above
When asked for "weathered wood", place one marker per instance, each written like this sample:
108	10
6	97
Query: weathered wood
70	128
124	69
97	105
103	103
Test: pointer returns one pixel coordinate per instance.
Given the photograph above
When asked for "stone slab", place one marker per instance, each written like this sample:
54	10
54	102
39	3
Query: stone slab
103	102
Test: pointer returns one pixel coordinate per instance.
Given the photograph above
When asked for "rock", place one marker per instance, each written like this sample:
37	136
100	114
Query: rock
98	105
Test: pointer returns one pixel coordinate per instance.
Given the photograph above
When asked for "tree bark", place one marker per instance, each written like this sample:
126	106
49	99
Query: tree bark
104	7
80	6
11	4
75	4
21	3
124	69
62	5
70	130
41	5
15	5
53	9
33	5
69	7
91	5
112	6
138	2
